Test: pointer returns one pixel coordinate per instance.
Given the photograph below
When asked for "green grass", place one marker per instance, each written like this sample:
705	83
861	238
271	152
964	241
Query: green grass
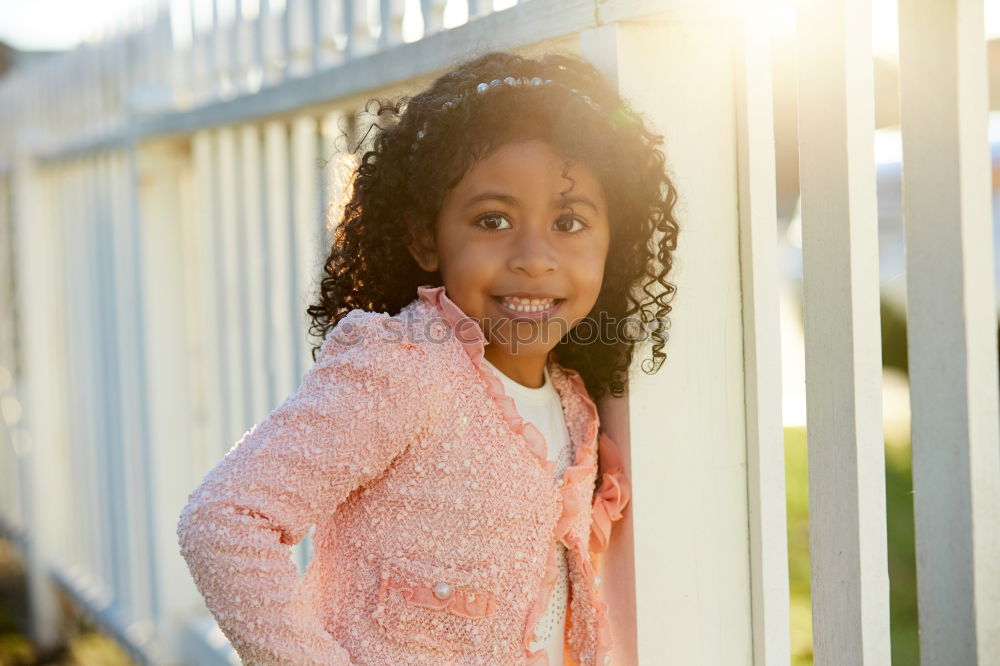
902	561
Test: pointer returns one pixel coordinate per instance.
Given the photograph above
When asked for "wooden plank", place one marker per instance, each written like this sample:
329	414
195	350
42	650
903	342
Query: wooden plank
951	331
202	69
360	40
84	526
275	48
847	519
220	71
331	37
129	409
280	271
254	258
7	359
89	390
145	470
433	13
683	431
65	490
213	410
36	432
232	285
301	37
90	198
761	343
391	14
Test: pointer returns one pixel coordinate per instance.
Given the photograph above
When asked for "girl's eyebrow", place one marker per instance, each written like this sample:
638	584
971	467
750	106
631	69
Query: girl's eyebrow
512	200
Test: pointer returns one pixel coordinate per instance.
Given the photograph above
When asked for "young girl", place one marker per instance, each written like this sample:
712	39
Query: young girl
504	251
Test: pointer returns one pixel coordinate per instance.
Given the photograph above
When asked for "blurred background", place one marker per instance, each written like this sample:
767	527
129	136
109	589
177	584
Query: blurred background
36	40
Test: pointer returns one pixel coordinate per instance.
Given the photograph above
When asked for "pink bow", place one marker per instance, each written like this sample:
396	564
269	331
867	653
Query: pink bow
612	496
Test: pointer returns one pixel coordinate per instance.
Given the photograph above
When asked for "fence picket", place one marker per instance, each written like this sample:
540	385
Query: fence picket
953	367
847	535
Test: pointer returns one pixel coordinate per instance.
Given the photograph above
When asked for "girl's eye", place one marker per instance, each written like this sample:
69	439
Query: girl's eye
493	222
570	224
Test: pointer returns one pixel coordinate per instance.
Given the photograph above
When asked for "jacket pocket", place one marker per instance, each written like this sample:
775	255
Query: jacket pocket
435	606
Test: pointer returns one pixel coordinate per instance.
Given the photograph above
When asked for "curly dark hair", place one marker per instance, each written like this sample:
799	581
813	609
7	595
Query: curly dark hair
398	189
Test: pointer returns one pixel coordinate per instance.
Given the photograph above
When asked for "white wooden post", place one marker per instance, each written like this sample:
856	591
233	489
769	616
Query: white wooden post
221	83
281	321
479	8
165	201
85	196
81	407
762	346
685	443
951	332
250	74
332	39
212	410
275	49
301	44
230	276
130	408
201	88
847	515
62	472
38	391
360	40
10	485
392	12
191	63
96	206
251	189
433	13
6	287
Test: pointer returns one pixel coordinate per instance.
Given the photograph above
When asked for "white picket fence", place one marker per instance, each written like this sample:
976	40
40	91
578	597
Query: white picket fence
162	214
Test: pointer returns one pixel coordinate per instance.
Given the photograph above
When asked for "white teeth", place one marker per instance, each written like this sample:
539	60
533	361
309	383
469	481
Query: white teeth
528	304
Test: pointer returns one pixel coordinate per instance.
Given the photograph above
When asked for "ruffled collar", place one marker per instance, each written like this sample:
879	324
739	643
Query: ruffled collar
566	381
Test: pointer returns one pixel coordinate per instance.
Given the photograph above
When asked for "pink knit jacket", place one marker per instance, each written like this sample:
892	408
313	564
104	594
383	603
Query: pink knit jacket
436	509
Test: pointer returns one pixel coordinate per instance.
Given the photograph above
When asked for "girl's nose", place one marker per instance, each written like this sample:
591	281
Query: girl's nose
533	255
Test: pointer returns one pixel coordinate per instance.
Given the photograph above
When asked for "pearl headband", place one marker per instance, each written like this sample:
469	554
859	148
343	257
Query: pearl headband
483	87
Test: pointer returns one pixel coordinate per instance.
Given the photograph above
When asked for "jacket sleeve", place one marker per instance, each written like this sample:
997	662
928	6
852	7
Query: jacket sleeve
611	496
349	419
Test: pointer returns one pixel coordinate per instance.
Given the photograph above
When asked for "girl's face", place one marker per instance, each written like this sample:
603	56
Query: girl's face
521	247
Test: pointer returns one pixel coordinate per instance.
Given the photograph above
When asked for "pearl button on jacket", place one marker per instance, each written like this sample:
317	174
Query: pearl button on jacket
437	515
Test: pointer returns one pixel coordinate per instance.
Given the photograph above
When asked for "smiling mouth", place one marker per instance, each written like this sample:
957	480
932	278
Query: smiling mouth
529	306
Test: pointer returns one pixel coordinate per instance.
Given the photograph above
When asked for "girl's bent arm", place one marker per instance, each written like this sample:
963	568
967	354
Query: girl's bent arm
350	417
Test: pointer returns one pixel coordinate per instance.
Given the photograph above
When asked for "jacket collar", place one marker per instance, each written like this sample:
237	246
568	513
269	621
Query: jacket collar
466	329
567	382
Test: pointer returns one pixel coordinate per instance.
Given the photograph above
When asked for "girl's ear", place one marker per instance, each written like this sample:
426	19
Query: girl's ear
421	247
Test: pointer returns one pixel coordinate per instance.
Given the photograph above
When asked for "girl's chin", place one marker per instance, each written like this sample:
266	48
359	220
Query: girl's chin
519	351
540	336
